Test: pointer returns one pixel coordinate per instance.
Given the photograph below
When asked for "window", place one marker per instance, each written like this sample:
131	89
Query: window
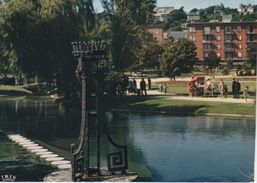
250	37
217	38
239	28
207	38
192	29
228	29
207	46
228	45
250	28
228	55
218	46
192	38
239	54
239	37
228	38
218	54
207	30
217	28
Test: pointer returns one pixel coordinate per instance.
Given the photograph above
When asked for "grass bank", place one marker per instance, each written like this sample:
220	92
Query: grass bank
176	107
13	90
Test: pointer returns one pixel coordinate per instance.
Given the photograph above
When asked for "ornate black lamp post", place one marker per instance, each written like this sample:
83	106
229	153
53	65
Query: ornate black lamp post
93	53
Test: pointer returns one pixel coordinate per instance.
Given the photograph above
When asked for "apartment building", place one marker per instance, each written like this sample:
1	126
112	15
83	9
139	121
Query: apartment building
228	40
161	13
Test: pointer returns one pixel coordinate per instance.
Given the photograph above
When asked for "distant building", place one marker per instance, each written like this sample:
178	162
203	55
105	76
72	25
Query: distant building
193	16
226	18
161	13
245	9
158	32
228	40
177	34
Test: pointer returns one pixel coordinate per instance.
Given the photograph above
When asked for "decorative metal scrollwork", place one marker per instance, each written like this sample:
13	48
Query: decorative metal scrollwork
87	53
117	161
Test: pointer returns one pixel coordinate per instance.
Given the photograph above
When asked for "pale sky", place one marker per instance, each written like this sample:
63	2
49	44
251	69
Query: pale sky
190	4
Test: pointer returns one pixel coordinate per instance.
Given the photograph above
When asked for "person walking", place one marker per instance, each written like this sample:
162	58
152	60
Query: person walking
238	88
149	83
134	86
222	88
161	88
143	87
246	90
234	87
165	88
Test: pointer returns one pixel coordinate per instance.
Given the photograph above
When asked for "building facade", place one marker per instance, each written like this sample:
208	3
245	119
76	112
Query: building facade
193	16
161	13
158	32
228	40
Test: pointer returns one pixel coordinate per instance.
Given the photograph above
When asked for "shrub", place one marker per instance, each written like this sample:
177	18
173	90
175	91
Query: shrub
225	72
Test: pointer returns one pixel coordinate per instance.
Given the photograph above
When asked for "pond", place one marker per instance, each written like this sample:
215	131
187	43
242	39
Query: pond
160	147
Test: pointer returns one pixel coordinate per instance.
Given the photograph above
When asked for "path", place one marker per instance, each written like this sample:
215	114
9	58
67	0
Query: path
205	99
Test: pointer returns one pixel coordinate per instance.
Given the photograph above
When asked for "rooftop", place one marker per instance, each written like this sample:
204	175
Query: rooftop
222	23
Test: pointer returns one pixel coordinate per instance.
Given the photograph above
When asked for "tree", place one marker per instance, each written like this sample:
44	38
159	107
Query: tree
178	57
127	20
212	61
149	56
39	33
175	19
252	56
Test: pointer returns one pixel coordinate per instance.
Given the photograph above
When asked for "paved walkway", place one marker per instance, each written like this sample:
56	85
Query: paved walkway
205	99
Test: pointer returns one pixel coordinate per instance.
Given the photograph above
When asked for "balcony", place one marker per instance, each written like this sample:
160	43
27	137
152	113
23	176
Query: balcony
207	33
206	41
229	49
208	50
251	32
251	41
228	32
228	40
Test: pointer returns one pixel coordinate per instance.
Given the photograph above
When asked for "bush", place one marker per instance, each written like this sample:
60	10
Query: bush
225	72
111	81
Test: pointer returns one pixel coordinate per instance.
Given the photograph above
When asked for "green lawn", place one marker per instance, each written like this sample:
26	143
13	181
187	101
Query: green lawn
162	104
13	90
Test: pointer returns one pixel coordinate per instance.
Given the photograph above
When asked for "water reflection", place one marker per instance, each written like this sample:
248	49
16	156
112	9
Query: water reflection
173	148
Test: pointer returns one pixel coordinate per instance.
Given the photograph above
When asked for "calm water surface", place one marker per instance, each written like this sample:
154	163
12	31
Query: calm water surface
166	147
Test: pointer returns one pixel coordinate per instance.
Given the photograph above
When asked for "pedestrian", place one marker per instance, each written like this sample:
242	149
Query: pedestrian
149	83
226	91
165	88
134	86
222	88
161	88
143	87
238	88
246	90
234	87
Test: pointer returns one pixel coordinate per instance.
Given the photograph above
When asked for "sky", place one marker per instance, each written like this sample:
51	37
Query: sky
190	4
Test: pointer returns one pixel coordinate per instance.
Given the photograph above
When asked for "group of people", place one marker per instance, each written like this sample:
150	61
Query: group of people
236	87
199	86
132	86
163	88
